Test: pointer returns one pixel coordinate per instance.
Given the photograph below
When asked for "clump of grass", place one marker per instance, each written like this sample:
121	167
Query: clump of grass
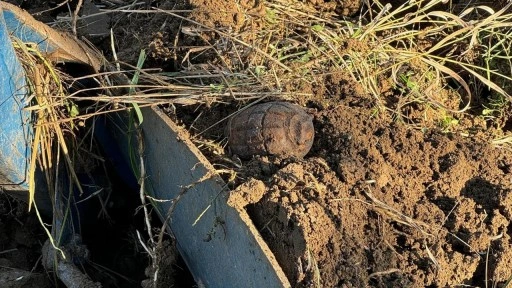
436	47
49	105
421	55
49	141
419	48
496	109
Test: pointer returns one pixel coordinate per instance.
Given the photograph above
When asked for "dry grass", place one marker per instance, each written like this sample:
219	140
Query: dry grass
49	105
421	55
436	60
49	142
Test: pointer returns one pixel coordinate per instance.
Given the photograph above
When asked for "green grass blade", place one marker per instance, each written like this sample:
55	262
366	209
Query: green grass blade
135	80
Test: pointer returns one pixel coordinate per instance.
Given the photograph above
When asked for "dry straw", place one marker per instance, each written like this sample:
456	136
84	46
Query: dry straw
419	47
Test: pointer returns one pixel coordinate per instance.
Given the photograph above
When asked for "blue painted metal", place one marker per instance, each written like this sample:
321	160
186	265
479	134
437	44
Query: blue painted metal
113	141
219	243
14	129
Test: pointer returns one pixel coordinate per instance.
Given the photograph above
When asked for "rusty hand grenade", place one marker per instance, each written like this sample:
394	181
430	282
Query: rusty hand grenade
274	128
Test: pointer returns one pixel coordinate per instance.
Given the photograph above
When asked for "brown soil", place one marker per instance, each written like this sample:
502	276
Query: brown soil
386	206
375	203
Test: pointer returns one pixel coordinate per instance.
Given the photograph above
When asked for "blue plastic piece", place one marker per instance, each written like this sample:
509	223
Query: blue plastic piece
26	33
15	131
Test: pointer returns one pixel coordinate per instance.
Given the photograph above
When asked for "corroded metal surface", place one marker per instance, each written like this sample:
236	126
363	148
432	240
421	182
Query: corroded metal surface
274	128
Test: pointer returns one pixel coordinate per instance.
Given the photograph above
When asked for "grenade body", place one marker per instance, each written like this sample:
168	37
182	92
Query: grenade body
274	128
